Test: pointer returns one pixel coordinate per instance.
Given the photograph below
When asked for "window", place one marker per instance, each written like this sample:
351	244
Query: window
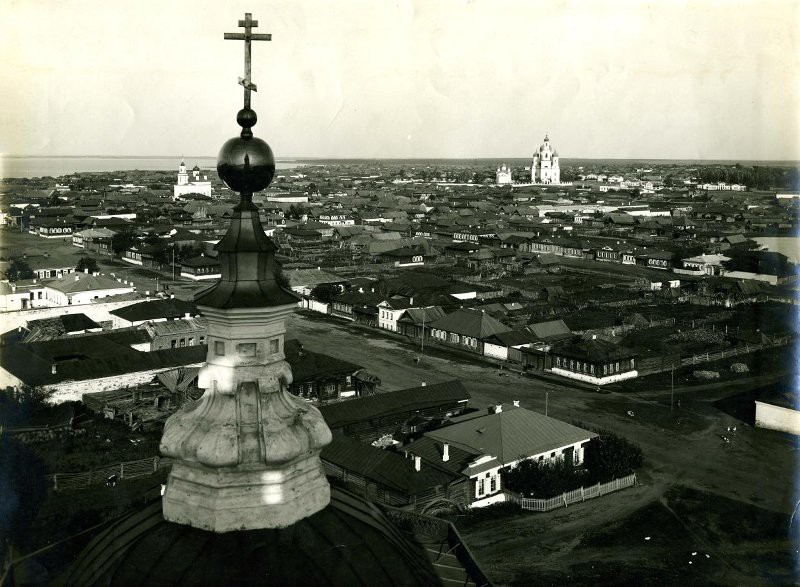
191	340
493	485
183	342
202	340
274	346
246	349
481	487
173	343
219	348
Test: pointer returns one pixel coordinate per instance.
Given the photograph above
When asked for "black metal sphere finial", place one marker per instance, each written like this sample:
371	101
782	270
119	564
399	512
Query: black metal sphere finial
246	164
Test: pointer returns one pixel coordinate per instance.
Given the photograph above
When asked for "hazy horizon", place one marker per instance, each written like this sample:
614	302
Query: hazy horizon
611	79
410	158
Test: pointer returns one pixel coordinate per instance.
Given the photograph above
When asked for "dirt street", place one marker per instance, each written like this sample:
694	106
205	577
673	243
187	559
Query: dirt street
684	447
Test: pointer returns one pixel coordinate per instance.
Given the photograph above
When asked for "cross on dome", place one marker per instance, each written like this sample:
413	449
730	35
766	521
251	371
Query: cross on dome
248	24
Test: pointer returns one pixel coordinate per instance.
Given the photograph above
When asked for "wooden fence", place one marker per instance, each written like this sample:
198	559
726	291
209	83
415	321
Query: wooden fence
125	470
570	497
734	352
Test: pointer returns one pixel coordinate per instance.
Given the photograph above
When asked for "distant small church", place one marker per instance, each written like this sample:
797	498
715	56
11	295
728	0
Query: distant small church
195	186
503	175
544	168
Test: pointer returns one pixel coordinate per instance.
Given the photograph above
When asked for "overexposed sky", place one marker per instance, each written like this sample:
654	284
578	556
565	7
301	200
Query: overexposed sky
413	78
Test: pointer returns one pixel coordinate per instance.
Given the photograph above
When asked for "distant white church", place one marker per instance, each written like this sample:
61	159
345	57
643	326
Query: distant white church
503	176
195	186
544	168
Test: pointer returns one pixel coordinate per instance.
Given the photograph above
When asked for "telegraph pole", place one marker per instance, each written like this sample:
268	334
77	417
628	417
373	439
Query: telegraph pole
671	386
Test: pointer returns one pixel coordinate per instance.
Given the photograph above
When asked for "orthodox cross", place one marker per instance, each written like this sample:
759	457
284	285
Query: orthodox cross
248	24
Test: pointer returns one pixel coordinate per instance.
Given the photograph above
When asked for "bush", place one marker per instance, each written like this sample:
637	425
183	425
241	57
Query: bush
706	375
740	368
609	456
544	479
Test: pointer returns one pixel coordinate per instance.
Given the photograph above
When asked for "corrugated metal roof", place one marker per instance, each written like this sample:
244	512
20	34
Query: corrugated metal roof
510	435
551	329
470	322
78	282
382	466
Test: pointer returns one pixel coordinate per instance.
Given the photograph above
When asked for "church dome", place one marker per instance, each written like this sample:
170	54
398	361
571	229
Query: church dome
350	542
195	168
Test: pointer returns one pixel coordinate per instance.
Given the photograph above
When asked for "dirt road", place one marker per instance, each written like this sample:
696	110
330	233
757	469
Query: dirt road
685	448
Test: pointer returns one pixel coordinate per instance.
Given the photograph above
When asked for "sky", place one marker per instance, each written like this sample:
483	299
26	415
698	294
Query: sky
377	79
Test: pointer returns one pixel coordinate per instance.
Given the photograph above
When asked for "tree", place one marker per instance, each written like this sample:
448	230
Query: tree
122	240
325	292
609	456
297	211
19	269
281	279
188	251
87	264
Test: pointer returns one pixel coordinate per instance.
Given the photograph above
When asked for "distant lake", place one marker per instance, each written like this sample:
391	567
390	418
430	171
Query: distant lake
788	245
18	166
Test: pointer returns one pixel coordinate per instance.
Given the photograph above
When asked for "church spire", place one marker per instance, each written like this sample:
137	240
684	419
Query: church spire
246	455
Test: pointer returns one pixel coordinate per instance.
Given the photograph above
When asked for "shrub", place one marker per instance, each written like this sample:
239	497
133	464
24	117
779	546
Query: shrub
740	368
544	479
706	375
609	456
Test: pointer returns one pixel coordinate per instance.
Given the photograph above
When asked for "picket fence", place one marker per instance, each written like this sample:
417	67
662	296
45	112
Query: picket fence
570	497
124	470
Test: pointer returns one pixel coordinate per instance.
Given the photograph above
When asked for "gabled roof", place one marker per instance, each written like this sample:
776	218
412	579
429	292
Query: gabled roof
80	282
595	350
511	435
420	315
552	330
47	328
512	338
311	277
90	357
470	322
394	402
384	467
155	309
307	365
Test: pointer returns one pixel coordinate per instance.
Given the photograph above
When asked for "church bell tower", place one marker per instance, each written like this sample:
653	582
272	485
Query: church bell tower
246	455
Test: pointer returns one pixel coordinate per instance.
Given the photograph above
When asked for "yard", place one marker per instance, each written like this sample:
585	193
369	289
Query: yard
684	453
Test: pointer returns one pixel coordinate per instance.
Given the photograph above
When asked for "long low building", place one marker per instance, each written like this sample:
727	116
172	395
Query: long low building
67	368
368	418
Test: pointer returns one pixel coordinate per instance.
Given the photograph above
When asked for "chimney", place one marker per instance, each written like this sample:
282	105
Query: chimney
516	403
496	409
77	278
423	384
187	315
172	296
86	271
410	301
417	463
445	452
54	369
594	336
